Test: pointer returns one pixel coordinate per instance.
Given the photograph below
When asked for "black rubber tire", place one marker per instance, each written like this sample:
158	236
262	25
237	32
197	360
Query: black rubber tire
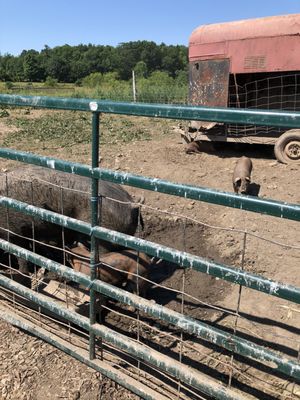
287	147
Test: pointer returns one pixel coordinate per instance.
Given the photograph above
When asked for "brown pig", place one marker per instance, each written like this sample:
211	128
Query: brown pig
242	175
192	147
125	264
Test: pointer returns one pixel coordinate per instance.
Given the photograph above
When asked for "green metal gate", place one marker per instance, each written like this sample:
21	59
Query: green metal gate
228	341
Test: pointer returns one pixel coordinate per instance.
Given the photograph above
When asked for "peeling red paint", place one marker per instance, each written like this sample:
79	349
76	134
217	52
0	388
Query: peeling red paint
253	45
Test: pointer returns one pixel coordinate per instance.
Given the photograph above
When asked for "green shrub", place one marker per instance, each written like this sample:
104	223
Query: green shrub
51	82
9	85
92	80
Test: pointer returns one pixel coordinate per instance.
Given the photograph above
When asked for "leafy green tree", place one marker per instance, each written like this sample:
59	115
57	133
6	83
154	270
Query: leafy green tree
58	68
182	78
141	70
73	63
93	80
174	58
33	71
128	54
11	68
160	78
151	55
110	77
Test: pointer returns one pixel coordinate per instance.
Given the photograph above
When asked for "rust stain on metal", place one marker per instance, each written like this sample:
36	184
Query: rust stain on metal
208	86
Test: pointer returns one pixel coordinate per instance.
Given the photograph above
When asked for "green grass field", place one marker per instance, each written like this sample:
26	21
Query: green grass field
122	92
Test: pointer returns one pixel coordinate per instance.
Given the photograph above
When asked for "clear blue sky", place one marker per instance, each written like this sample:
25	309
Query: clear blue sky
31	24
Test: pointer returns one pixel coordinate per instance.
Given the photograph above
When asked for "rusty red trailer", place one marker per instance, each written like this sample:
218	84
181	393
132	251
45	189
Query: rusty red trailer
252	63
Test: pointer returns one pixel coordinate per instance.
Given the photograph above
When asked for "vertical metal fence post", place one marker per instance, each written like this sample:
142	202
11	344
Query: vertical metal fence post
94	221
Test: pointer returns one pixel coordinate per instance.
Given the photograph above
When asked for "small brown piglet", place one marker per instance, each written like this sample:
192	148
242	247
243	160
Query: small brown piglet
242	175
192	147
118	268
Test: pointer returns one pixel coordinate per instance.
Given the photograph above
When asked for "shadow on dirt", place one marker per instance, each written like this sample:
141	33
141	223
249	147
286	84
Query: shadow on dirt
226	150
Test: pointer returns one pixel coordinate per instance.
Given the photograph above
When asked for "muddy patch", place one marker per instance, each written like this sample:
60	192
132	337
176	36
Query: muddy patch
183	290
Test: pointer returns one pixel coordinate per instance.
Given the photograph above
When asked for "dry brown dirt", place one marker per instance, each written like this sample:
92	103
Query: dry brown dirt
30	368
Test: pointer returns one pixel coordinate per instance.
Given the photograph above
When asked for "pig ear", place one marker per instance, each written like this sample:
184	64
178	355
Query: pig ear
237	180
248	179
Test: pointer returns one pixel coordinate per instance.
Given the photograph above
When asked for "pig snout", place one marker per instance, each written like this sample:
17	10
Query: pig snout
241	185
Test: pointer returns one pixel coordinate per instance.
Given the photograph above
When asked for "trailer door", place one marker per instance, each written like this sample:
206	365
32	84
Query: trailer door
208	85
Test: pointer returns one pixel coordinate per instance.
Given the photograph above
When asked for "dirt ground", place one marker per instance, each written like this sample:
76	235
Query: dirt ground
30	368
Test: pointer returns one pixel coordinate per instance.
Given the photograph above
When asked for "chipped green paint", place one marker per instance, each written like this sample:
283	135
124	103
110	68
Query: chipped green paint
225	272
187	260
214	335
265	206
46	215
288	119
213	196
94	222
47	162
185	374
104	368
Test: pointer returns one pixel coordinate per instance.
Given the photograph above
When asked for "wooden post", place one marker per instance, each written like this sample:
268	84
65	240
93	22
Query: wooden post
133	86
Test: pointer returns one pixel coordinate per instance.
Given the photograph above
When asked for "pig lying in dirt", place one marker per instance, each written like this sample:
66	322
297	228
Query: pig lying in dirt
197	146
242	175
42	187
126	265
192	147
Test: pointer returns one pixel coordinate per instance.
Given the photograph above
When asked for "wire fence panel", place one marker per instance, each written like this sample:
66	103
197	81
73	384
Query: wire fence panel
278	92
162	338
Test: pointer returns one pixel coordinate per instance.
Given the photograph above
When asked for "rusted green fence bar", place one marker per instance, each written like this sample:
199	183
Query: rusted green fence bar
186	375
213	335
213	196
175	256
187	260
46	215
127	382
47	162
94	258
286	119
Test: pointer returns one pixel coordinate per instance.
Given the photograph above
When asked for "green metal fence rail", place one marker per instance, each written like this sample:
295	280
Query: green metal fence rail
186	260
213	335
248	203
217	114
187	374
227	341
83	356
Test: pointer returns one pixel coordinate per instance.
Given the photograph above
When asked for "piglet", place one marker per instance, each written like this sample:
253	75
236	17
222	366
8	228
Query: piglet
242	175
118	268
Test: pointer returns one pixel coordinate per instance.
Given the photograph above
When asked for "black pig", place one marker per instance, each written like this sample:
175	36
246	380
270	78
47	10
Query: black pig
66	194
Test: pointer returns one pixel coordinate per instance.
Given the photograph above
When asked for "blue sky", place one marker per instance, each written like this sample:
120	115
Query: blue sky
31	24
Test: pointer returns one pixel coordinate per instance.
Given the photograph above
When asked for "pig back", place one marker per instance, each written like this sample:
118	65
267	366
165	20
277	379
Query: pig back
242	168
67	194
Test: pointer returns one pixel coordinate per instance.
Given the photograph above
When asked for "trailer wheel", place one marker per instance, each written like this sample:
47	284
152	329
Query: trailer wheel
287	147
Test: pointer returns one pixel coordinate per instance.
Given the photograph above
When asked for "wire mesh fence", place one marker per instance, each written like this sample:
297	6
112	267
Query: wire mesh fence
192	337
272	92
185	291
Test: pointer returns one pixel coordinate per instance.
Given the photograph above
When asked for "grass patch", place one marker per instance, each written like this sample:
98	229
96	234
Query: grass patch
55	129
118	91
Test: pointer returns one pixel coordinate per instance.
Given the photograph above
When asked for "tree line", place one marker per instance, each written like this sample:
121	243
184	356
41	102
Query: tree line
70	64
